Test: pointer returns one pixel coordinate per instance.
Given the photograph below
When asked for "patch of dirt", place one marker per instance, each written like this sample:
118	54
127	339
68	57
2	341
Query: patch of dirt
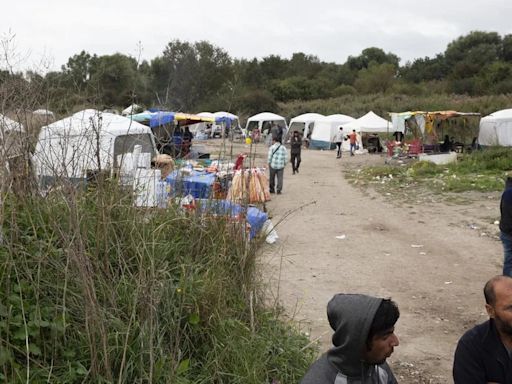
431	254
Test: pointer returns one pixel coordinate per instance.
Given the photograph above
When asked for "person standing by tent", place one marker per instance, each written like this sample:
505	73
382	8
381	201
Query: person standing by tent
296	147
276	162
353	142
506	227
338	139
187	141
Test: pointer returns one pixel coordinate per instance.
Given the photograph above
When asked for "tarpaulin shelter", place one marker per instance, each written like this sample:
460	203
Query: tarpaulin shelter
425	126
325	129
179	118
143	117
425	121
496	129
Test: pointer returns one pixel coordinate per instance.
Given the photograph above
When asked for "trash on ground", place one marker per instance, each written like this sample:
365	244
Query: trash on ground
341	237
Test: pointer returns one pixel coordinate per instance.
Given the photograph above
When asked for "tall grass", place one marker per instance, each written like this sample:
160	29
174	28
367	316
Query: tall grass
95	290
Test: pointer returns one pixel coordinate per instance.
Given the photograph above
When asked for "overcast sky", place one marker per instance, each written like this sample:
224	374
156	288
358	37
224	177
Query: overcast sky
51	31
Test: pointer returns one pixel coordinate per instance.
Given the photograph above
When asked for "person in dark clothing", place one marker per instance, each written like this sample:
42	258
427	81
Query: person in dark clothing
483	353
362	341
296	147
187	141
446	146
506	226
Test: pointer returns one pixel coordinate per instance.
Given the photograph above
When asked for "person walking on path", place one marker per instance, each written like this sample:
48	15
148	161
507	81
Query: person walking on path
296	147
483	352
506	227
277	155
364	337
353	141
338	139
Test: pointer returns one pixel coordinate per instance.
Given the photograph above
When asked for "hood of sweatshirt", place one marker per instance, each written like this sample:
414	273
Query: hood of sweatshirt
350	316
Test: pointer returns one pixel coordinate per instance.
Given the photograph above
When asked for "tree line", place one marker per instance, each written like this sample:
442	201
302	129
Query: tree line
201	76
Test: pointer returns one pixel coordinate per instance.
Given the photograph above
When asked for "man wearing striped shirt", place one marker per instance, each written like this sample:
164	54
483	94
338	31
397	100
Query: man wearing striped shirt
277	158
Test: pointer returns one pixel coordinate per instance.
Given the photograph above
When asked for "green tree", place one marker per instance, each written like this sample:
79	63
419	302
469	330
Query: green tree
114	78
507	48
78	69
188	74
372	55
376	78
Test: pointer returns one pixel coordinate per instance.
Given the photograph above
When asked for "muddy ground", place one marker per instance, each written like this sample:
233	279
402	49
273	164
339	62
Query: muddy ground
429	253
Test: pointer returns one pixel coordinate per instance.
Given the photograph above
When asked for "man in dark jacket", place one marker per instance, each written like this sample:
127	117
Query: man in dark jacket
483	353
296	147
363	339
506	226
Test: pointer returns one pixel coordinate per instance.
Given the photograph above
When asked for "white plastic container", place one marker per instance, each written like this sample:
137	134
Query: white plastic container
145	186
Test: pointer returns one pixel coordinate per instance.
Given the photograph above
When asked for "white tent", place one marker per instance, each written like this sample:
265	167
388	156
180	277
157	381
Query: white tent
369	123
496	129
264	120
9	125
131	110
89	140
44	112
304	123
325	129
199	128
218	127
12	136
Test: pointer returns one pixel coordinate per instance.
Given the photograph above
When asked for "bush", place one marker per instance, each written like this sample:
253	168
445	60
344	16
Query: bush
95	290
424	168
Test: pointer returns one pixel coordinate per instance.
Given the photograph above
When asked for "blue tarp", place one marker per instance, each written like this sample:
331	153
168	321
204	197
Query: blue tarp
254	216
161	118
197	184
224	119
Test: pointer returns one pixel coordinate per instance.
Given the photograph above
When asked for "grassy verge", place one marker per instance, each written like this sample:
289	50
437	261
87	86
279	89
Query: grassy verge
95	290
481	171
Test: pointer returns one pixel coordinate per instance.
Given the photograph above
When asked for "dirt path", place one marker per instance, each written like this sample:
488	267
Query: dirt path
425	257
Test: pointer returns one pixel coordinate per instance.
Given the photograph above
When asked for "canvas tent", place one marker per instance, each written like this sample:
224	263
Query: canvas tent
88	141
325	129
227	119
303	123
496	129
12	136
369	123
263	121
9	125
201	126
131	110
44	113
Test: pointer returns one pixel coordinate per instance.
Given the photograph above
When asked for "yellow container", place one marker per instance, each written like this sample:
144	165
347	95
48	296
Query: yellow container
248	141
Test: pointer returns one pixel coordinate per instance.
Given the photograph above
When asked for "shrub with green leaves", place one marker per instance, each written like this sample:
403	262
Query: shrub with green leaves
95	290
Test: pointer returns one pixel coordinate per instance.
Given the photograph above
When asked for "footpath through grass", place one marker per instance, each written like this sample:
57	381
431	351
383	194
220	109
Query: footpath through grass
93	290
482	171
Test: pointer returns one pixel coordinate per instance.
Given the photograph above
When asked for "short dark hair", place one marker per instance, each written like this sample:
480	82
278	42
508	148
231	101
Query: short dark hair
385	318
489	293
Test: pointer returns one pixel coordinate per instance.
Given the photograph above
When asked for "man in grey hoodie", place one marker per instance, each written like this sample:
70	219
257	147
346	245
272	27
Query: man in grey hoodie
363	339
